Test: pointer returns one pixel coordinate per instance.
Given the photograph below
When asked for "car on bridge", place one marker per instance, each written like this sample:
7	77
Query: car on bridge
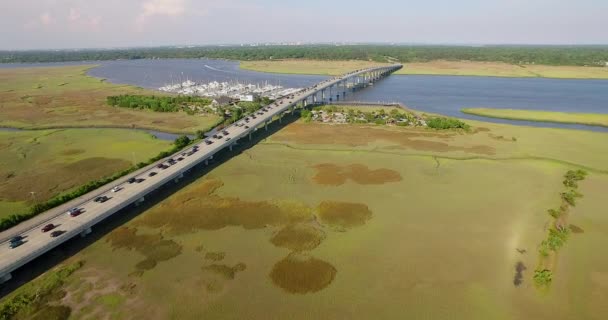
16	238
57	233
118	188
208	142
48	227
74	212
15	244
151	174
131	180
101	199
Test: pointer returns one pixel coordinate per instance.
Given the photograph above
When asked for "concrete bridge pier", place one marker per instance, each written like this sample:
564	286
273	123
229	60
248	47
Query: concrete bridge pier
206	162
265	128
5	277
249	136
181	175
140	201
85	232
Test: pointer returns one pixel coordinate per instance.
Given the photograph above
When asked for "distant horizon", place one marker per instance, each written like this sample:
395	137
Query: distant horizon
75	24
286	44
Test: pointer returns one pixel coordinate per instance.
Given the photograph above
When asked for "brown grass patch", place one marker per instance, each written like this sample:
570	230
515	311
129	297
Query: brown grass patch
152	246
353	135
52	312
72	152
65	97
48	180
335	175
224	271
195	209
215	256
298	237
302	274
576	229
343	214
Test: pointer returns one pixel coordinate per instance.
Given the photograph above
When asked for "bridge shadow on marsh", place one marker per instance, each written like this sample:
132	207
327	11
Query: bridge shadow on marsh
68	249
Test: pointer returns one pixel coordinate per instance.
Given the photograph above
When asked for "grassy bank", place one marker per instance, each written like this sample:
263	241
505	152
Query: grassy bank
37	299
592	119
58	97
426	215
38	165
437	67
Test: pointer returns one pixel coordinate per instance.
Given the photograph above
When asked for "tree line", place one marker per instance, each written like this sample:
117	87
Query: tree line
156	103
545	55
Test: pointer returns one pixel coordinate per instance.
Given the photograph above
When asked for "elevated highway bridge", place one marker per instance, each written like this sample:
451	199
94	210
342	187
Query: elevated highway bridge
35	242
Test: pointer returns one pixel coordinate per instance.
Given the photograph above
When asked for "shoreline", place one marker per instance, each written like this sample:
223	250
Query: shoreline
529	115
251	66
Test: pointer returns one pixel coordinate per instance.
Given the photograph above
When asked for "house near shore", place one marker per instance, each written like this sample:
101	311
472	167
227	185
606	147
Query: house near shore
222	101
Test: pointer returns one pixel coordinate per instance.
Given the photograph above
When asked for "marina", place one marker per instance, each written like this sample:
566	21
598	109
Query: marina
232	89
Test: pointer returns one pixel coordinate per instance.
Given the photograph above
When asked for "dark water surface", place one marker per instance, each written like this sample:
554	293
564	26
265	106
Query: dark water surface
436	94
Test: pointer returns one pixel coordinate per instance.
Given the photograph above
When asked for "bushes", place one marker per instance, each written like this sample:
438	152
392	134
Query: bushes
443	123
543	277
572	177
306	115
158	104
558	234
33	294
570	197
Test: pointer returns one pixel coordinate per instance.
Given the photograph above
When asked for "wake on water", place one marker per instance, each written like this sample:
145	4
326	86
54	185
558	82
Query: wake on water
216	69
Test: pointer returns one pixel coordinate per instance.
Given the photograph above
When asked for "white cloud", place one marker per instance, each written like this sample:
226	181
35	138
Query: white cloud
151	8
74	14
46	19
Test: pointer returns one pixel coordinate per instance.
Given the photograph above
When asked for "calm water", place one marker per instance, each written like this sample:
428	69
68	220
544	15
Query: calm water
157	73
437	94
448	94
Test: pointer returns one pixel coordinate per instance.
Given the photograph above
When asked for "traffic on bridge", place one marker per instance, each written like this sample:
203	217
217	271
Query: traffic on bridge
27	241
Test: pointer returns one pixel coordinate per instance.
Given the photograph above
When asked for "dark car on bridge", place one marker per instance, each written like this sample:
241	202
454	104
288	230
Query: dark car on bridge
151	174
74	212
131	180
15	244
57	233
101	199
48	227
16	239
208	142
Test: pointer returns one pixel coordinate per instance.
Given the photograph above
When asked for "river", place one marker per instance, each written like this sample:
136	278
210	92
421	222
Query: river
435	94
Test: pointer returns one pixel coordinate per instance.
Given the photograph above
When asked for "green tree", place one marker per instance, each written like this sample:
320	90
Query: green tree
182	141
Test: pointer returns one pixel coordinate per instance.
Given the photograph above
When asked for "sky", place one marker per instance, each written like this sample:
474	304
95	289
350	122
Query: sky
62	24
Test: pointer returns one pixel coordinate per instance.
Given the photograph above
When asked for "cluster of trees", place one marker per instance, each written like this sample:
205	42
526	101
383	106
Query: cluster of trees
548	55
558	234
380	117
443	123
543	277
34	295
157	103
14	219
